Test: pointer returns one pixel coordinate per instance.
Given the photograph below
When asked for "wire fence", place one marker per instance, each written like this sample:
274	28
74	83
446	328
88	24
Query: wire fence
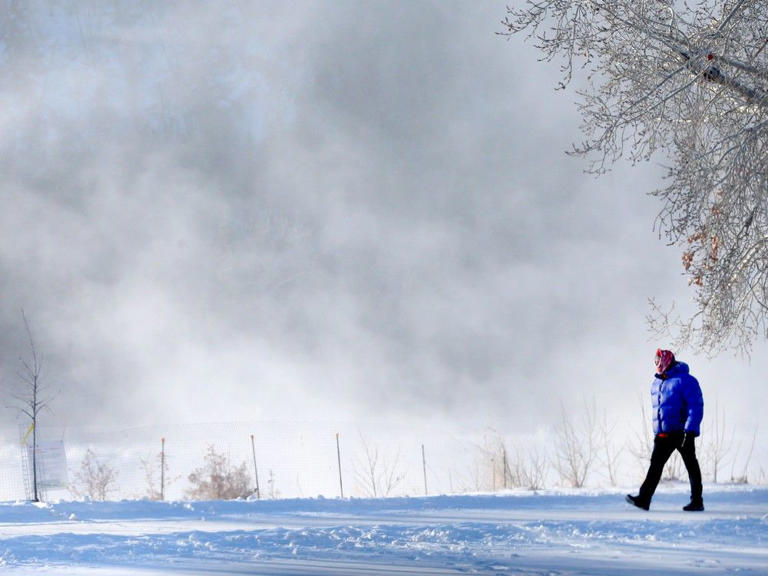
285	460
311	459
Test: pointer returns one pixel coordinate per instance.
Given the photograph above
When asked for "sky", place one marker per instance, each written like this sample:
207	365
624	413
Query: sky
319	211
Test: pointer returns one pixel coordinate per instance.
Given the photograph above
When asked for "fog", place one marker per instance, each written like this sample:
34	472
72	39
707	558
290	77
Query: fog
319	211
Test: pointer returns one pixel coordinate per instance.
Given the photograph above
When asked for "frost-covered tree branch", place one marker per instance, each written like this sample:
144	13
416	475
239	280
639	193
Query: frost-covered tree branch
687	83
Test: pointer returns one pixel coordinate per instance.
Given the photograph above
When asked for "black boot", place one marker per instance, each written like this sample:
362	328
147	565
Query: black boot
638	501
695	505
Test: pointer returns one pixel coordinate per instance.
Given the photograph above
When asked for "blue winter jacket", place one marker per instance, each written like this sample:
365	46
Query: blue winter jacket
677	401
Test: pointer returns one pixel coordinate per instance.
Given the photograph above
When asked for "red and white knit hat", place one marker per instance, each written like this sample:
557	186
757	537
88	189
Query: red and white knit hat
663	360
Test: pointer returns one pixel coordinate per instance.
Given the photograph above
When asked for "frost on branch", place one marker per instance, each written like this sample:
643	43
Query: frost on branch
689	84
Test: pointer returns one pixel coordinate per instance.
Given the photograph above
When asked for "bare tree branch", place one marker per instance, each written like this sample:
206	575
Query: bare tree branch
687	83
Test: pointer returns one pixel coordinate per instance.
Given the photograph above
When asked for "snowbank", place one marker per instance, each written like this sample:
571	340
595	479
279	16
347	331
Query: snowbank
567	533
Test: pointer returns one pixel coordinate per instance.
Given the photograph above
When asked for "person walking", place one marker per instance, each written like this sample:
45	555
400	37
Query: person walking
678	407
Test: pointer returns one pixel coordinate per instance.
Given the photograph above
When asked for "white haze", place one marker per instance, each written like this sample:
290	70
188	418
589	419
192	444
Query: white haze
319	210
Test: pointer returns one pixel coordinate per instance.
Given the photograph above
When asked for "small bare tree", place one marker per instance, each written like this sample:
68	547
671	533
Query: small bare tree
377	475
219	479
535	472
688	80
32	399
743	476
718	443
576	445
95	479
609	451
153	491
525	467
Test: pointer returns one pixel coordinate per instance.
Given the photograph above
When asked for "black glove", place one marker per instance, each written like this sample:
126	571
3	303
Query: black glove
687	439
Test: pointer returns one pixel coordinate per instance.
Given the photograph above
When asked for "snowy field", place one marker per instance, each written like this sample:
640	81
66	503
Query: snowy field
551	533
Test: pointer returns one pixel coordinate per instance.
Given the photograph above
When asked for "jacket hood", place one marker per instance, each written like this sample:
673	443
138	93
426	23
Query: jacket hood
676	369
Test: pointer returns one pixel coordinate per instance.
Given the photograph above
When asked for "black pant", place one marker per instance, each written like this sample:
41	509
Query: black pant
663	447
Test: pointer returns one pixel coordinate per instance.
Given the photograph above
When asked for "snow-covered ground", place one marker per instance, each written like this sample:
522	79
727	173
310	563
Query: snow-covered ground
514	533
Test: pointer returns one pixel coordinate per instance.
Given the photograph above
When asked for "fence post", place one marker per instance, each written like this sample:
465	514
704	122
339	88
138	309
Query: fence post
338	459
424	467
505	467
255	469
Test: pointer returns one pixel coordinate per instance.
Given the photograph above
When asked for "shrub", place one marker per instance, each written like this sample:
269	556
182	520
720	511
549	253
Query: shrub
219	479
